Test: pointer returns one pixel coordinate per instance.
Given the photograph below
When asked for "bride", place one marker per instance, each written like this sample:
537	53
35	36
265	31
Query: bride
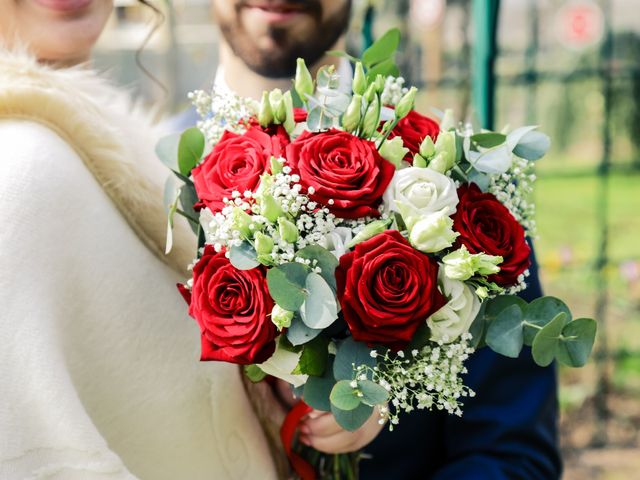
99	371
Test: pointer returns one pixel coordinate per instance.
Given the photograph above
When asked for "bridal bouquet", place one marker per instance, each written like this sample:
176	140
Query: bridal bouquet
360	250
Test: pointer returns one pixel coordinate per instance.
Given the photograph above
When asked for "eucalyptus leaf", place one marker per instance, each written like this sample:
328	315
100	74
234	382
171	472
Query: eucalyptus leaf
171	192
190	150
298	333
344	396
313	119
576	342
167	150
326	260
533	146
286	284
320	308
482	180
489	139
478	328
514	137
495	160
254	373
546	341
540	312
317	389
504	334
243	257
352	420
382	49
314	357
351	353
372	393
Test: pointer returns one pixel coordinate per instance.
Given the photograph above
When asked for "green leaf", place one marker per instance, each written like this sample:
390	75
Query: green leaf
385	68
576	342
352	420
314	357
327	262
533	146
286	284
298	333
341	54
351	353
372	393
188	198
171	192
317	389
495	160
190	150
167	150
489	139
344	396
320	308
504	334
540	312
243	257
546	341
254	373
478	328
482	180
382	49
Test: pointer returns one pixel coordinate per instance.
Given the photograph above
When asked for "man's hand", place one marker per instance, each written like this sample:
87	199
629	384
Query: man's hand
321	431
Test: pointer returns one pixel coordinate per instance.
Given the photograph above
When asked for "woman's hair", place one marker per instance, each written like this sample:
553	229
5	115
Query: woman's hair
157	23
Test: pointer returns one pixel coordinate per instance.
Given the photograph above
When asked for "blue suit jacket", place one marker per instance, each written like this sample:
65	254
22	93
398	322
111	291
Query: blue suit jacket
508	430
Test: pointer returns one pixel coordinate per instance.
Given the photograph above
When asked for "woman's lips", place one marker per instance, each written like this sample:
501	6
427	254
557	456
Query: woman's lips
66	6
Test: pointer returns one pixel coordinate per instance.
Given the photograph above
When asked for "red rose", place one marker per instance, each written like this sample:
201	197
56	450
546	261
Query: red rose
413	129
343	168
236	163
232	308
299	115
387	289
485	225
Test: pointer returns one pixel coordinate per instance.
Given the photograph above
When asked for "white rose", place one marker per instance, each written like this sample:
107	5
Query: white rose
432	233
281	364
455	318
422	191
336	241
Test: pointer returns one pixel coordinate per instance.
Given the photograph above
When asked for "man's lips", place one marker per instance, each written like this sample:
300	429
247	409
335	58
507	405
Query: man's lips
276	12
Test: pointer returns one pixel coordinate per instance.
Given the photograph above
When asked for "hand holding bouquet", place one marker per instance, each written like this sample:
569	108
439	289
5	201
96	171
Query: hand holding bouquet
357	249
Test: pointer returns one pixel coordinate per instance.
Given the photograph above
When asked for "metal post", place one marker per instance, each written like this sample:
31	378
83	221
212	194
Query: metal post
485	21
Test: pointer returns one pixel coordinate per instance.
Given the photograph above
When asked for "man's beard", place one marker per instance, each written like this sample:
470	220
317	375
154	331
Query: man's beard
280	62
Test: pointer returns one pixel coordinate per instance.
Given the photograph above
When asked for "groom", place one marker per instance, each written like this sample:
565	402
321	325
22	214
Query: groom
508	430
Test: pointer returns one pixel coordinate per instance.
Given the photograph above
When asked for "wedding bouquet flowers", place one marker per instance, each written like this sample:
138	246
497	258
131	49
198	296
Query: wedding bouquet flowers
358	249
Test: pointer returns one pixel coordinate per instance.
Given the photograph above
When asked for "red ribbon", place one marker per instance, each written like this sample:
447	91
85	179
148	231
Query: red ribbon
287	434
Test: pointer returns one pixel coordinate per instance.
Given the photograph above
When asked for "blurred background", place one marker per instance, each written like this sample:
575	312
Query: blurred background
572	67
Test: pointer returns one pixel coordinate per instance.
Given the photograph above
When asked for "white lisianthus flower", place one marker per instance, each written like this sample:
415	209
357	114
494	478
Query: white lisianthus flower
462	265
337	240
455	318
281	364
432	233
421	191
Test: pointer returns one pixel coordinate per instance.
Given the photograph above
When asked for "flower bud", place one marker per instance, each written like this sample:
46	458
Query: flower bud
371	118
427	147
274	99
280	317
433	233
379	83
405	105
393	151
445	147
276	165
462	265
419	161
269	208
371	230
359	85
351	117
287	104
263	243
241	221
287	230
265	114
303	81
448	121
482	292
370	93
